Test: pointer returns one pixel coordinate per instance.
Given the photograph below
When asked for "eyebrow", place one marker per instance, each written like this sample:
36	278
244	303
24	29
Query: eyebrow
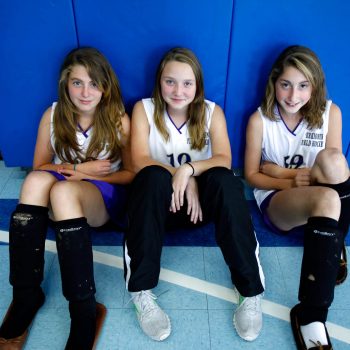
170	77
302	82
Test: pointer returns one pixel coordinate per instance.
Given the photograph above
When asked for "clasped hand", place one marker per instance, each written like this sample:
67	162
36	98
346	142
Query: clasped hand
186	185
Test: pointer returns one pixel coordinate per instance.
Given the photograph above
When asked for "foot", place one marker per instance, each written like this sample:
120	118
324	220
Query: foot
309	337
20	315
247	318
152	319
343	270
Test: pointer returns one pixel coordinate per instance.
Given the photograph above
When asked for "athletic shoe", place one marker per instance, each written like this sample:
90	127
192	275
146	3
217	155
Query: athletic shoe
343	270
247	318
153	320
298	337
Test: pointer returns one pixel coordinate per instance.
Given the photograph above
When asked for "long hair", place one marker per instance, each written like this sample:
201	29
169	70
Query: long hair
196	109
306	61
107	125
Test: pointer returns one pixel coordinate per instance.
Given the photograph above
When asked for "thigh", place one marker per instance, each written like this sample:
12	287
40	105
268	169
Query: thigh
36	188
72	199
292	207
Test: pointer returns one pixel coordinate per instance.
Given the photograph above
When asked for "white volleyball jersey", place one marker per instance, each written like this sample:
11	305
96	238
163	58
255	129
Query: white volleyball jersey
84	138
291	149
177	150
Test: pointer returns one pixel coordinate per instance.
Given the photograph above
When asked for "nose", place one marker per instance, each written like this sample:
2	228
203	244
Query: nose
177	89
293	93
85	91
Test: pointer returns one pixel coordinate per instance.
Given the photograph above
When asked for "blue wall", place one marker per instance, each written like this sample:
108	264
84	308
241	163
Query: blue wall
236	42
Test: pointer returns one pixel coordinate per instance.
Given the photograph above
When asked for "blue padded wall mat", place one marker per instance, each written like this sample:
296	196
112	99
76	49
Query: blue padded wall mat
35	37
261	29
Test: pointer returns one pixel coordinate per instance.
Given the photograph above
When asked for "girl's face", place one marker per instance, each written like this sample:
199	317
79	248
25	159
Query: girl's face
83	92
293	91
178	85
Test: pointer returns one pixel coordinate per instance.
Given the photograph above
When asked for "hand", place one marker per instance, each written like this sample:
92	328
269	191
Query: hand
95	167
72	175
193	204
303	177
180	181
271	169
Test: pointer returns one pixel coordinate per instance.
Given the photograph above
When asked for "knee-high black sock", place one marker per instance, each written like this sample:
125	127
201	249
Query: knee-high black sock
27	234
74	251
322	247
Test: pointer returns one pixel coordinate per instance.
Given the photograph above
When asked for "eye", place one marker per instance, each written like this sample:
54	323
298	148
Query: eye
284	85
94	85
76	83
304	86
188	83
169	82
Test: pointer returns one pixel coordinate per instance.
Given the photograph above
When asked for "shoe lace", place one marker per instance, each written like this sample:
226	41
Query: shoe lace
145	299
318	344
251	304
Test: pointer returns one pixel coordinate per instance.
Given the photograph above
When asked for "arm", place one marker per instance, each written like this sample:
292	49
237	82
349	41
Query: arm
252	172
140	153
44	152
334	138
221	156
123	176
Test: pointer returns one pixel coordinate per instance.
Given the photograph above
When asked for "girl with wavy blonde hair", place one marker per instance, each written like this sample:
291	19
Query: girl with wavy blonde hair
81	164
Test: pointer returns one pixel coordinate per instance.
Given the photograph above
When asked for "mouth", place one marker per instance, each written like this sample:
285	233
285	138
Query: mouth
83	102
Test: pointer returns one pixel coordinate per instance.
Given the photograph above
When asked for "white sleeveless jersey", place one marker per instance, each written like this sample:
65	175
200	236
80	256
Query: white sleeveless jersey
84	138
291	149
177	150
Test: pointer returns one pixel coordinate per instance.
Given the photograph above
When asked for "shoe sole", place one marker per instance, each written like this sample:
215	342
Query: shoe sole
101	313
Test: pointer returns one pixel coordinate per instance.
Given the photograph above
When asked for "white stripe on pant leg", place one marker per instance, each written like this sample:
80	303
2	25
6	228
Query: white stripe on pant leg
261	272
128	268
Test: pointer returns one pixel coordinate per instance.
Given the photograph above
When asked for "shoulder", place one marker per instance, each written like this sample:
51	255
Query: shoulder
334	110
255	119
139	107
125	119
46	117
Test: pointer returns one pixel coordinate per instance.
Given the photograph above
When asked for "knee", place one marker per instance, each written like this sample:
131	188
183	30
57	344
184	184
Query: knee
326	203
330	167
153	176
37	181
62	191
224	178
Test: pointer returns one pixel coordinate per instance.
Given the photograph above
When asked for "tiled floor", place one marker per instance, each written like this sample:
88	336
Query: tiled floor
194	289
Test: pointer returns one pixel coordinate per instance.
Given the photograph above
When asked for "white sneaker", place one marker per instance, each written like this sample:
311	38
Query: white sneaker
247	318
153	320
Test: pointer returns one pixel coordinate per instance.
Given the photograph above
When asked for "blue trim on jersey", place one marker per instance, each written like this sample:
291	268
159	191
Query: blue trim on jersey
171	119
296	127
84	132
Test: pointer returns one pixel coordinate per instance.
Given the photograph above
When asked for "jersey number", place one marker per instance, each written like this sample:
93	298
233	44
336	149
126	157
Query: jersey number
182	158
296	161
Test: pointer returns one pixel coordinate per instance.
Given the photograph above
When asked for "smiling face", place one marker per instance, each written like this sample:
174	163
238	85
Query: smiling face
178	85
293	91
83	92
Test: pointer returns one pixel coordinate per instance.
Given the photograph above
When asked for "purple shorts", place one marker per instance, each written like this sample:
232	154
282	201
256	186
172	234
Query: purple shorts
263	208
114	197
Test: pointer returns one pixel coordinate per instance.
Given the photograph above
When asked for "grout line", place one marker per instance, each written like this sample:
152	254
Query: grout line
269	308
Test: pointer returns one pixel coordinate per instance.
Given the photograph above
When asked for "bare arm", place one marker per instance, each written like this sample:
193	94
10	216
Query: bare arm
253	150
140	153
44	152
334	138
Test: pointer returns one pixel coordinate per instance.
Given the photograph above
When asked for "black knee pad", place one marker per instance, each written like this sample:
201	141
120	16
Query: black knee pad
74	249
322	248
27	234
343	190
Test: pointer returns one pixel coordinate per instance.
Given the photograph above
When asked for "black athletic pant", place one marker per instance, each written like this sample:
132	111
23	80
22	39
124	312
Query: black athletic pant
222	201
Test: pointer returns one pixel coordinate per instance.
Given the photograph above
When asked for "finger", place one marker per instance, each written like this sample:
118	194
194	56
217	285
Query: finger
172	205
200	213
